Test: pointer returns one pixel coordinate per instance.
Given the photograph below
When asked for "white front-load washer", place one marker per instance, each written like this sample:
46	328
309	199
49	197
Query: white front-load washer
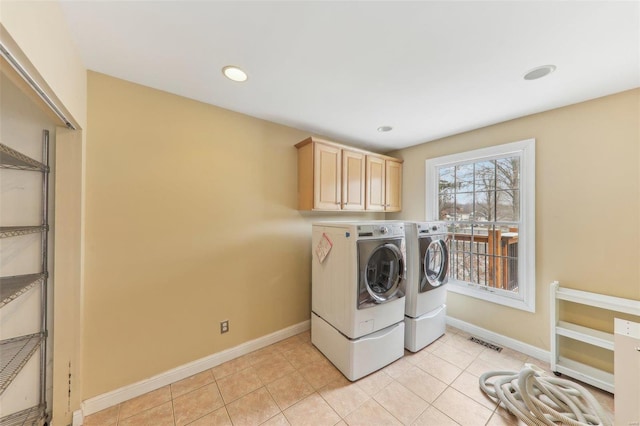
357	300
427	276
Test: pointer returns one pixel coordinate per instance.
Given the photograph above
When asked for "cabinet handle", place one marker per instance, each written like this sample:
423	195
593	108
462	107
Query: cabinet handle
638	348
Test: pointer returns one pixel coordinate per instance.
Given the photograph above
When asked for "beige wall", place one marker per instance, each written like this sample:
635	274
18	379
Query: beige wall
67	295
587	205
38	35
191	220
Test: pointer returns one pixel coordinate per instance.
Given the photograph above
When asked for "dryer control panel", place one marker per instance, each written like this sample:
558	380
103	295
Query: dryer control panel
381	230
427	228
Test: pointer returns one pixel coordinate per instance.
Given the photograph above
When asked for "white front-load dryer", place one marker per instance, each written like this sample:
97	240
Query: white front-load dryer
358	289
427	276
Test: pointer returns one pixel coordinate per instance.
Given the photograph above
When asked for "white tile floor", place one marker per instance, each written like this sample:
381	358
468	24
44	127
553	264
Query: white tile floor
291	383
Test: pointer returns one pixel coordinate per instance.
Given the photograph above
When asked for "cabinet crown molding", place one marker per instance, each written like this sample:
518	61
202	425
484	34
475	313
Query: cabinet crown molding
312	139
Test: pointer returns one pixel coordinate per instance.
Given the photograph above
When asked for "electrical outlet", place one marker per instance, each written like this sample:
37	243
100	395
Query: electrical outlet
224	326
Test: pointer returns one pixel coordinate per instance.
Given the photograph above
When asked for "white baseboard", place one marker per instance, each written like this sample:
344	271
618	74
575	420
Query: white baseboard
501	340
78	418
115	397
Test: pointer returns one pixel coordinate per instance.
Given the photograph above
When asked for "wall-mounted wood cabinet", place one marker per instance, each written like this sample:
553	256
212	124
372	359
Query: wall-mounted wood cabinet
336	177
383	184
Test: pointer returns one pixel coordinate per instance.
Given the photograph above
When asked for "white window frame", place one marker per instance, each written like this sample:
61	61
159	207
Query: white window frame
525	149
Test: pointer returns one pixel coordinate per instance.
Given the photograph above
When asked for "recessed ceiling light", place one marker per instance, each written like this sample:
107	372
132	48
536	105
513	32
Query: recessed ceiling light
234	73
539	72
385	129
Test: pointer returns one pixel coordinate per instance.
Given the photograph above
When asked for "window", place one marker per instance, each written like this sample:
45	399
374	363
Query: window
488	198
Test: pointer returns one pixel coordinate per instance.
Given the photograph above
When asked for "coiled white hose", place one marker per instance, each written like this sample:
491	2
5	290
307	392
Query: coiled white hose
538	399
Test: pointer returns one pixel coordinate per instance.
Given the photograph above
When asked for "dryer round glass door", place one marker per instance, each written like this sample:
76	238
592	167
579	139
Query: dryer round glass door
435	265
384	271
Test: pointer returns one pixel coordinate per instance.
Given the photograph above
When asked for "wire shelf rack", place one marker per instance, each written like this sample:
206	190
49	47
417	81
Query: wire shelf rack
13	287
14	354
12	159
14	231
29	417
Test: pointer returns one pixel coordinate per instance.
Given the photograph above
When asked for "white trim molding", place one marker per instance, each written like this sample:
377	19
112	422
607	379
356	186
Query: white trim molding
500	340
117	396
78	418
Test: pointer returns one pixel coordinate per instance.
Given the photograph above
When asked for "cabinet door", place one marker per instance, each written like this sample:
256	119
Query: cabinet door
375	184
352	180
393	190
326	177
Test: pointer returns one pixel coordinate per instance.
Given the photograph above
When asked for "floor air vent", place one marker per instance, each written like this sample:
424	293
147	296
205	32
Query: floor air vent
485	344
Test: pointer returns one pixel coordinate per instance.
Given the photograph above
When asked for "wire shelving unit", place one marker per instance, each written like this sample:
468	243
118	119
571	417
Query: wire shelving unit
15	352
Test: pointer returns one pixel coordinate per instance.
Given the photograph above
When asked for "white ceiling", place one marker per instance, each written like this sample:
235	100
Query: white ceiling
342	69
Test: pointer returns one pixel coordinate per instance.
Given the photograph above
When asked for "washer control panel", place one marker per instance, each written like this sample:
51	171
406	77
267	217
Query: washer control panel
381	230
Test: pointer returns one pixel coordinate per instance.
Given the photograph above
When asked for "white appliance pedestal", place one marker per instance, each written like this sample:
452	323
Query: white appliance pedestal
424	330
356	358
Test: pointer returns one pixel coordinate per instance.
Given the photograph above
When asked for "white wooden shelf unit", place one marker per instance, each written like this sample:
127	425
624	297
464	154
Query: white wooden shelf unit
586	373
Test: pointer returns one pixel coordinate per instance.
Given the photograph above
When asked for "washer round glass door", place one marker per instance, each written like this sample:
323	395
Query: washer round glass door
435	264
383	272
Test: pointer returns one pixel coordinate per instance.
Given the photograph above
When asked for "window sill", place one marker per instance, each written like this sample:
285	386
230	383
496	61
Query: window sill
527	304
